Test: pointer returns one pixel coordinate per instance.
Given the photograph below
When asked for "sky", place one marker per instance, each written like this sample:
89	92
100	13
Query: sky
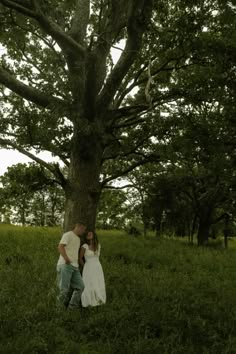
12	157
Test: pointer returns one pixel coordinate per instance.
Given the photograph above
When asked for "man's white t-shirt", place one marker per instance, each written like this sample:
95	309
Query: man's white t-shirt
72	242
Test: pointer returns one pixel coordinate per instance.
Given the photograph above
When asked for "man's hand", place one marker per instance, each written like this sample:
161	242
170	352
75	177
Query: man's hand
67	260
62	251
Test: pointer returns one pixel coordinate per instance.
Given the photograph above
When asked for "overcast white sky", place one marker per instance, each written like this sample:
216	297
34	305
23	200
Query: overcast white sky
12	157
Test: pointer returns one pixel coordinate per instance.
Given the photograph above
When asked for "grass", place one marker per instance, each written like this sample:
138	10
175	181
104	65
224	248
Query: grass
163	296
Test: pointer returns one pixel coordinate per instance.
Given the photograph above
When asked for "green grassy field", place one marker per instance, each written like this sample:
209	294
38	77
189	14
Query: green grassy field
163	296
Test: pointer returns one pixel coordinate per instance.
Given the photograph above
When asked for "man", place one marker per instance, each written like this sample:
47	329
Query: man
70	281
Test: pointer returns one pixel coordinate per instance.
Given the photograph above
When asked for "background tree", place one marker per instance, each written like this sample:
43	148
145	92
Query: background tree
112	209
31	196
47	206
199	164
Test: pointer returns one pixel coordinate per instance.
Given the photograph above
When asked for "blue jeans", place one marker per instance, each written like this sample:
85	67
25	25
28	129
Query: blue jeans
70	284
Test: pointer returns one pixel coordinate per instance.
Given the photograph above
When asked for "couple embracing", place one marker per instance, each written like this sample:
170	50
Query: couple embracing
76	290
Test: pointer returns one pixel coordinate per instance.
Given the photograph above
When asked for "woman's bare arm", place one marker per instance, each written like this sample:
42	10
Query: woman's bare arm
81	256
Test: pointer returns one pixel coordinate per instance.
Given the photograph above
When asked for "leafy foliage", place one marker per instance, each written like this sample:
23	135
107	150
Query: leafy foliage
62	92
29	194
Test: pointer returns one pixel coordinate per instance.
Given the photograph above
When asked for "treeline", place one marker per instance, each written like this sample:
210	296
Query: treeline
169	198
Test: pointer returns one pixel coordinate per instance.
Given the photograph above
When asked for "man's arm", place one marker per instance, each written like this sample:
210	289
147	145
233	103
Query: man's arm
62	251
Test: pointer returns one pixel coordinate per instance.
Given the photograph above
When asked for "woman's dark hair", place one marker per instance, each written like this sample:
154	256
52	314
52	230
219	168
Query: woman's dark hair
95	239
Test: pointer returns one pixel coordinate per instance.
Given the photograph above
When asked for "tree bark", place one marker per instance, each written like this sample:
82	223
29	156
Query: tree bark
226	230
203	229
23	207
22	216
158	222
193	227
83	188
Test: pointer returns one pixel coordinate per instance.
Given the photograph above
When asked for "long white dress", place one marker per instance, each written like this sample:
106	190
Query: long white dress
94	293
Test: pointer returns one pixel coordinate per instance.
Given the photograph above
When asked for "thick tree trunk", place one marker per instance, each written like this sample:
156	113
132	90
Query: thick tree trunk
158	221
52	217
203	230
81	206
22	218
145	228
83	189
226	230
193	227
144	218
23	212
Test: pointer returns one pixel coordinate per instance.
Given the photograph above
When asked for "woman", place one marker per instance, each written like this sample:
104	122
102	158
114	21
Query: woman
94	293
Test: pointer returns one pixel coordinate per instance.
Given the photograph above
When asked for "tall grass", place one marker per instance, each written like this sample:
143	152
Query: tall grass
163	296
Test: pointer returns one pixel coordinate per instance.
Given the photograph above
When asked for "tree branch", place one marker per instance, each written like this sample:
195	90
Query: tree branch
80	21
46	41
132	151
132	114
164	67
24	10
122	187
6	143
219	218
125	89
139	82
128	112
132	121
28	93
139	13
56	32
53	168
126	171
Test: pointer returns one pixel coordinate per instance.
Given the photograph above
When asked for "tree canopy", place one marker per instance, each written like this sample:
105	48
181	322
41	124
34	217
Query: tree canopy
61	91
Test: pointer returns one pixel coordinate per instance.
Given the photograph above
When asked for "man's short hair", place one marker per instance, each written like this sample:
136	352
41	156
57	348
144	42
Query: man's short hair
78	224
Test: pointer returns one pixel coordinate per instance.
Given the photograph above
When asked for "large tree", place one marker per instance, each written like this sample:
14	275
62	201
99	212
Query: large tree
61	91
